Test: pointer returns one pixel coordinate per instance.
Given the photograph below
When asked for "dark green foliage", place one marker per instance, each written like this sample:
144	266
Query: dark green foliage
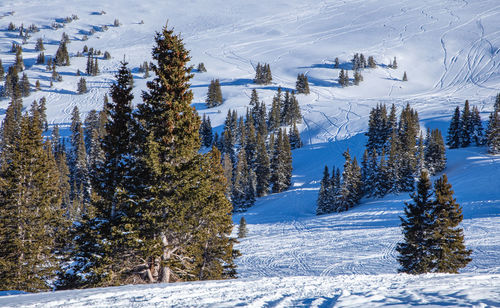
302	84
336	63
19	64
405	78
106	55
417	229
254	99
477	127
242	229
32	224
214	94
433	240
263	74
181	215
435	152
378	129
243	193
82	86
206	133
39	45
24	85
41	58
324	202
62	56
274	118
351	187
262	167
447	242
466	126
394	64
294	138
343	78
201	68
281	164
453	137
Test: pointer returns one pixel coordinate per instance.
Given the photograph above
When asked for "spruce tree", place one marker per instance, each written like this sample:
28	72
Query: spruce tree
39	45
214	94
281	164
82	86
416	226
181	215
477	127
466	126
405	78
201	68
2	71
447	244
435	155
302	84
25	85
453	137
62	56
323	204
19	64
262	167
206	131
254	99
294	138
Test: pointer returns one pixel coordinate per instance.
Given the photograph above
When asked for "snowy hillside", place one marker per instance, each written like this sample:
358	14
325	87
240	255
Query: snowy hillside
450	51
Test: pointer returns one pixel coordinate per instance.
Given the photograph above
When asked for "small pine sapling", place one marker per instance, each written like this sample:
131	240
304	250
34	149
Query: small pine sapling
242	230
405	78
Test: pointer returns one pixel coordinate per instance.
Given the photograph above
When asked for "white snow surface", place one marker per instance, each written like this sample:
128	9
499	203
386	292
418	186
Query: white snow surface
450	51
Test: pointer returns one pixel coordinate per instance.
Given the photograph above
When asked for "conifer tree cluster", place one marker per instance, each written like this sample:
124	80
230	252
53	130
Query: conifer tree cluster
395	155
128	199
82	86
433	240
145	68
62	55
201	68
263	74
344	78
257	149
340	191
493	129
206	133
214	94
302	85
92	68
465	128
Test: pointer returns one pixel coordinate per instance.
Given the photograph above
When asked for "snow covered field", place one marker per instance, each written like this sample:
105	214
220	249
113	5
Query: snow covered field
450	51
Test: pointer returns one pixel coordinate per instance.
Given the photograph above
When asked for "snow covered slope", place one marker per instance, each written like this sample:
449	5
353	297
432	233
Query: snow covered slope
450	50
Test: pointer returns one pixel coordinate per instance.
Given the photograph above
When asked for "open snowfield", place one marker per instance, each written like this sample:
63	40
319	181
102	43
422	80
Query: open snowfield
450	51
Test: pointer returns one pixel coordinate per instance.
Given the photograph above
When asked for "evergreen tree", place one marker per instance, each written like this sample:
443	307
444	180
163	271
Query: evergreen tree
302	84
294	138
82	86
336	63
214	95
477	127
90	64
79	172
242	229
453	137
394	64
493	132
243	194
201	68
206	132
405	78
294	115
447	243
275	112
62	56
263	74
262	167
181	215
254	99
371	62
40	58
435	156
323	204
39	45
466	126
281	164
42	110
417	230
25	85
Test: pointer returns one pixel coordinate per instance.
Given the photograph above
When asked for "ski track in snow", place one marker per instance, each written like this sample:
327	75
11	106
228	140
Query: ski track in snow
451	51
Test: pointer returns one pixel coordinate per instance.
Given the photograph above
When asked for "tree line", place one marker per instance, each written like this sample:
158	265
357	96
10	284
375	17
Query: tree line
394	156
257	148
